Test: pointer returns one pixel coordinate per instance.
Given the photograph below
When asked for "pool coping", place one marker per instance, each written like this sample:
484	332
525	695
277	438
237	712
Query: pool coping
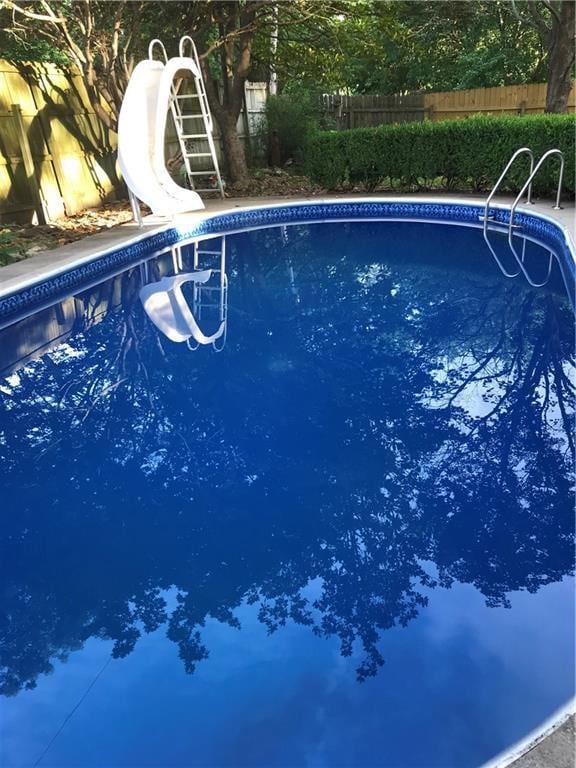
51	264
32	285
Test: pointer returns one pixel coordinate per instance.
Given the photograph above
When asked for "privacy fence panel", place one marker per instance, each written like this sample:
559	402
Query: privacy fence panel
56	157
369	110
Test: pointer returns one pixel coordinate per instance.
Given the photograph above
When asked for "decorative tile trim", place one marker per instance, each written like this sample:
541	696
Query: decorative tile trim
72	280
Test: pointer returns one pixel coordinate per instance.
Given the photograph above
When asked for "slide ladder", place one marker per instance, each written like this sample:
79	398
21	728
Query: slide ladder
193	123
211	299
188	139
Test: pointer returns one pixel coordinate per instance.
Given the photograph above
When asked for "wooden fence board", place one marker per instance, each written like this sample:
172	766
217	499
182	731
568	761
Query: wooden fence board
373	109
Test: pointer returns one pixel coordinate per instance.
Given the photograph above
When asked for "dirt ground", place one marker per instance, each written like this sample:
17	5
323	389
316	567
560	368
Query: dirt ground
19	241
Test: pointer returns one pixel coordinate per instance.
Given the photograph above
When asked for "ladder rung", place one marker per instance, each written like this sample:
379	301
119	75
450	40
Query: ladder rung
208	189
202	173
209	253
194	136
198	154
182	96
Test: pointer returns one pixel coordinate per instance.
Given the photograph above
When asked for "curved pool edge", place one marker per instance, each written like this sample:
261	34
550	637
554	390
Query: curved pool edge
536	736
31	284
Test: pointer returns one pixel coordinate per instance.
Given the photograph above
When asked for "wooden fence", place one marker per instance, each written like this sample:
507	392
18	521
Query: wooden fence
56	157
505	100
370	110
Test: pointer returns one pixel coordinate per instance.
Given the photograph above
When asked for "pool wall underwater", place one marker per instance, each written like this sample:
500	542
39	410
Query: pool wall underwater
59	281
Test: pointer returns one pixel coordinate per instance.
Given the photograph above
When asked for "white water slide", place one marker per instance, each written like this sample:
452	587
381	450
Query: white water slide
141	135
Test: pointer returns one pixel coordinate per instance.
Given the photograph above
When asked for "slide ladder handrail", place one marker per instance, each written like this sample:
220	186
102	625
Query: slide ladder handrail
160	44
196	58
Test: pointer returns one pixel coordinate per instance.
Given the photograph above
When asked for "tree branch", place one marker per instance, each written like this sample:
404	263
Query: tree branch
13	6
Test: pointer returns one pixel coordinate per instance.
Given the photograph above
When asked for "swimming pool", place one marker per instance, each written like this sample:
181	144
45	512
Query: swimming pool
345	539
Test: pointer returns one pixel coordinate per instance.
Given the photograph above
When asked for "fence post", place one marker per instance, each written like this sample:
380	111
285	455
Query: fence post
35	189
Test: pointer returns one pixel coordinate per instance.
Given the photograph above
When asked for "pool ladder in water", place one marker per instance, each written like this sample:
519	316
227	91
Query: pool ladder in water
512	227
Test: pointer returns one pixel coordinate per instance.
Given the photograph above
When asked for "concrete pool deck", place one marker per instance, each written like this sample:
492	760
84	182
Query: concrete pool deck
557	748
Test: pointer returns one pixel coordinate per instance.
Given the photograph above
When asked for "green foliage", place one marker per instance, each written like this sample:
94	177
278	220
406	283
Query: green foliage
32	50
371	46
467	154
294	117
12	248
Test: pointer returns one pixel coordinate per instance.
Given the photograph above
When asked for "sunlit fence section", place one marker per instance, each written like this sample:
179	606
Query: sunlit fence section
504	100
56	157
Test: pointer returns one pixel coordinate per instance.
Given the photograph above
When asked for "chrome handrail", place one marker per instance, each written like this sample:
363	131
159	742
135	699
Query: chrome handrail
496	259
533	173
516	154
520	262
527	183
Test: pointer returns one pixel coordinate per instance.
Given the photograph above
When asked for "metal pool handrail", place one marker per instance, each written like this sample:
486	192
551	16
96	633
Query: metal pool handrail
533	173
521	151
528	183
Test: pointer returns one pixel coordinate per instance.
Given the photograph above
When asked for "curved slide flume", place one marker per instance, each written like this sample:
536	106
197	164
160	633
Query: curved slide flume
141	127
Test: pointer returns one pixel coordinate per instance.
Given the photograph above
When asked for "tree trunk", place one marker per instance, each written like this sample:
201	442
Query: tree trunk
236	30
233	151
561	58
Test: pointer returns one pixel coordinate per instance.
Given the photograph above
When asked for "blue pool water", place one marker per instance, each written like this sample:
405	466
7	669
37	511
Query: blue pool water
347	539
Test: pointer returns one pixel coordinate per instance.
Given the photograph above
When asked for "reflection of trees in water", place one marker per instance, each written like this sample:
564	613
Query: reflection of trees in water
450	409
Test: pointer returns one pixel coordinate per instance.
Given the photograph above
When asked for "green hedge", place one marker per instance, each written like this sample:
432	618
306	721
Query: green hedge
456	154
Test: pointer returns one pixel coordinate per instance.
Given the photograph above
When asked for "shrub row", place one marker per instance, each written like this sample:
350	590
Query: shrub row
466	154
